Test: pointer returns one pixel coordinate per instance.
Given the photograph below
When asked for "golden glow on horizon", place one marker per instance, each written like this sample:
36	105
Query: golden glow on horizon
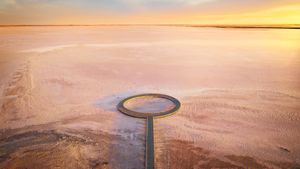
284	14
289	14
280	15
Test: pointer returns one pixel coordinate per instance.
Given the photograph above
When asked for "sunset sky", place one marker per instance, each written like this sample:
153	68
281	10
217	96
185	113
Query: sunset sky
149	12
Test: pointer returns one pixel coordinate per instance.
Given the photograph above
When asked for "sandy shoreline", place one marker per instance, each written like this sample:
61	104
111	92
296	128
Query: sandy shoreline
59	88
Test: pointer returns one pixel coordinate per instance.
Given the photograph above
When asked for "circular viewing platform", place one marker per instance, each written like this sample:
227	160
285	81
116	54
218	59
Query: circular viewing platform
150	104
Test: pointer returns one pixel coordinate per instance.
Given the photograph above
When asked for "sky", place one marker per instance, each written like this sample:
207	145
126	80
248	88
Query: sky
216	12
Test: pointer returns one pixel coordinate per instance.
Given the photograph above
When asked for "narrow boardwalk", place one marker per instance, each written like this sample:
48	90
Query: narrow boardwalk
149	144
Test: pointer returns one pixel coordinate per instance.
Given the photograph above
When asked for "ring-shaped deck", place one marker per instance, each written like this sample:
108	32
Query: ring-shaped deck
121	106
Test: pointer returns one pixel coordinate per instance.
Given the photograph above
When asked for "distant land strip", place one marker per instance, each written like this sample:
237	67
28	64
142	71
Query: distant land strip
289	26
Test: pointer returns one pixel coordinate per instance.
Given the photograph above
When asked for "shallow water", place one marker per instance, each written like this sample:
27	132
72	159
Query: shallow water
149	105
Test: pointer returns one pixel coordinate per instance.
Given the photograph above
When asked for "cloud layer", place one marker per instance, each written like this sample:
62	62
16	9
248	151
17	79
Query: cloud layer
137	11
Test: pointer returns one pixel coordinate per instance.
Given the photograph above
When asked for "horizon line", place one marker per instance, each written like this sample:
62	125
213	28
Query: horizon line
270	26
